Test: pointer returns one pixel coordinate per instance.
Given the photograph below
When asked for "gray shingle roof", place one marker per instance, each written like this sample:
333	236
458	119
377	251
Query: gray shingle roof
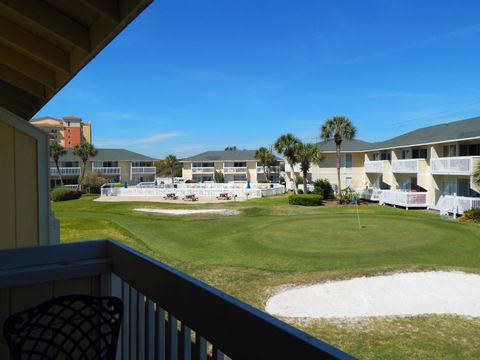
110	155
229	155
451	131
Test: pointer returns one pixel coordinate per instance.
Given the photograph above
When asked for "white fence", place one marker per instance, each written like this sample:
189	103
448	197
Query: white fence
460	165
236	169
200	190
206	170
405	166
456	204
369	194
73	186
374	166
108	170
403	198
273	169
144	170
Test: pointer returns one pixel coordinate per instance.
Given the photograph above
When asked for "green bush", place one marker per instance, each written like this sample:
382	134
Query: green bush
118	185
299	180
305	200
345	196
64	194
218	177
472	214
92	181
324	188
300	191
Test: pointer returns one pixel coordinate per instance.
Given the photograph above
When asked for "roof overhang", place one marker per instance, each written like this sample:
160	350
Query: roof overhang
44	43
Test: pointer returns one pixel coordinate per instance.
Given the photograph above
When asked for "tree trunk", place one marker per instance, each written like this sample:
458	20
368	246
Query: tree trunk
171	174
59	174
294	179
268	174
83	172
305	191
265	172
338	169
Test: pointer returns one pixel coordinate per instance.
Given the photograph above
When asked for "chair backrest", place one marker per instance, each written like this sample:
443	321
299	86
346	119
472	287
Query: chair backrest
67	327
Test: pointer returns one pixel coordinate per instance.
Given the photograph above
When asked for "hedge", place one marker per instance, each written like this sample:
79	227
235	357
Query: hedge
472	214
305	200
64	194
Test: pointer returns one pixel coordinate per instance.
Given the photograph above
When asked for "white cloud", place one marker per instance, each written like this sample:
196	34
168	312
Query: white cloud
151	139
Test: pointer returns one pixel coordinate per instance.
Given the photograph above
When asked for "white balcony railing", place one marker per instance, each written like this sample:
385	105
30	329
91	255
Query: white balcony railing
108	170
369	194
406	199
65	171
456	204
235	169
144	170
273	169
405	166
205	170
375	166
460	165
166	314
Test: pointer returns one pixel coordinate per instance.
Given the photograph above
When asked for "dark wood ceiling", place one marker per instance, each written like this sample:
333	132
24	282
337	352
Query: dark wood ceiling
44	43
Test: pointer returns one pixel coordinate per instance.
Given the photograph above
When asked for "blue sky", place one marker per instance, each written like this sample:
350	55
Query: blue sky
190	76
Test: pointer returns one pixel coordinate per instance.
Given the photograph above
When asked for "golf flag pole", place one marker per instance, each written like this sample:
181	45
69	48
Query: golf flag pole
358	215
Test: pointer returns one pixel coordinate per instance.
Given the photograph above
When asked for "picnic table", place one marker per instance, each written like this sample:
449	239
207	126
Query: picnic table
223	196
191	197
170	196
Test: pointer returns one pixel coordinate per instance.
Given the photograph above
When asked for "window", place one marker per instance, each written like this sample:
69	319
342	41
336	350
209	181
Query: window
376	156
419	154
449	151
348	160
348	182
386	155
404	154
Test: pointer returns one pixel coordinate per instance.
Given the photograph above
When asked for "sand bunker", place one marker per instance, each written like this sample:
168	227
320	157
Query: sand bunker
190	212
402	294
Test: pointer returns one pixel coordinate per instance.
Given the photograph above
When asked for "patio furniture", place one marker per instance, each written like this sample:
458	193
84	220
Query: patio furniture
191	197
170	196
223	196
66	327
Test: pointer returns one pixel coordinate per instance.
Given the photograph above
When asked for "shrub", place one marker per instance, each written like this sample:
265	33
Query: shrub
262	181
324	188
305	200
299	180
118	185
345	196
64	194
472	214
300	191
218	177
92	181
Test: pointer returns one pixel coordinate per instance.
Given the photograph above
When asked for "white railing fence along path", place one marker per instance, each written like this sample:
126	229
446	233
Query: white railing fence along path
406	199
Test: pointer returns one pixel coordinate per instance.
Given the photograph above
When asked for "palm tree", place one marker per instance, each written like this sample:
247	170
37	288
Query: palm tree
308	154
264	157
57	150
84	150
288	146
338	128
171	164
476	176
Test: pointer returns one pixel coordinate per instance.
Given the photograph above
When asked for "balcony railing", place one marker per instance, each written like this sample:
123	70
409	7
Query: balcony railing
167	314
205	170
456	204
406	199
108	170
369	194
460	165
144	170
273	169
375	166
65	171
405	166
234	169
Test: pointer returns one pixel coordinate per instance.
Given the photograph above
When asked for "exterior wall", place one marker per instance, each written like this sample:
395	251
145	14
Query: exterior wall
125	174
72	136
25	216
252	171
187	171
328	170
87	132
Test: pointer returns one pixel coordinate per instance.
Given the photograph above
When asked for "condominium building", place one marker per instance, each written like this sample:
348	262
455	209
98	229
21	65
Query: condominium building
434	163
67	131
235	165
117	165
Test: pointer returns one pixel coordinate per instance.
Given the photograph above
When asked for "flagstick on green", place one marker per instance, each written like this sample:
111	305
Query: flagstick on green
358	215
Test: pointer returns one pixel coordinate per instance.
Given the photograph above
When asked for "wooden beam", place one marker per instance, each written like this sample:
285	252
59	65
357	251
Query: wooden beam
17	37
18	96
107	8
23	82
51	20
27	66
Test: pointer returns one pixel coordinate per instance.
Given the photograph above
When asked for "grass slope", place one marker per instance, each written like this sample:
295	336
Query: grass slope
272	243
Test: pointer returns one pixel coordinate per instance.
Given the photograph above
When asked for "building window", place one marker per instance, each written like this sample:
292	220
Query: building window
348	182
419	153
348	160
386	155
450	150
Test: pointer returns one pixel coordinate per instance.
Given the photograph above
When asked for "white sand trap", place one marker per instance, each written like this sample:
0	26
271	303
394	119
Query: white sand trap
190	212
403	294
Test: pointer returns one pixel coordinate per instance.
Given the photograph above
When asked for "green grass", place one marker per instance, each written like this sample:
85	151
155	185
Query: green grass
272	243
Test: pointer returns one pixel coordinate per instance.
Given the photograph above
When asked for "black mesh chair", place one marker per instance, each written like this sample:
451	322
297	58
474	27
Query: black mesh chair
67	327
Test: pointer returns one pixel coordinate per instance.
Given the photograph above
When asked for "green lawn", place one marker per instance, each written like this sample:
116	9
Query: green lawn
272	243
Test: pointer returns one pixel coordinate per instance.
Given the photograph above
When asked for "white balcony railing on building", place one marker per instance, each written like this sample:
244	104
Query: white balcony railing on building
205	170
108	170
375	166
456	204
273	169
65	171
144	170
406	199
460	165
369	194
166	313
405	166
234	169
